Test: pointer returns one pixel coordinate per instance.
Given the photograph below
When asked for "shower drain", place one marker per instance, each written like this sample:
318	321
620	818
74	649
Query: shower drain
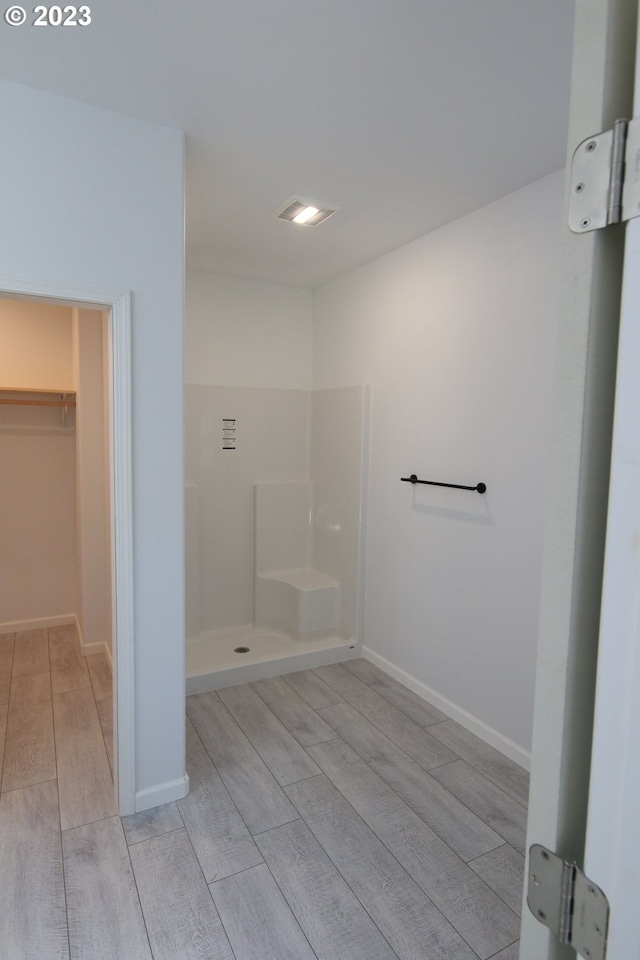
242	650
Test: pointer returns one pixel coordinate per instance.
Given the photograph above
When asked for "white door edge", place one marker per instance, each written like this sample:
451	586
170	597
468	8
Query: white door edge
612	855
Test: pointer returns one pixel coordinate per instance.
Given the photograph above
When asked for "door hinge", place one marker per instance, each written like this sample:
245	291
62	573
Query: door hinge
605	178
575	909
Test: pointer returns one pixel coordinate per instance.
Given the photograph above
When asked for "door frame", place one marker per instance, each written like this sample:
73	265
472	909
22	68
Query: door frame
578	486
118	305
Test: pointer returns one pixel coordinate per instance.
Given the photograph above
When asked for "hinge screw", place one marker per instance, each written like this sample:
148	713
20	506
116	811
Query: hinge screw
585	223
591	146
579	187
542	914
545	855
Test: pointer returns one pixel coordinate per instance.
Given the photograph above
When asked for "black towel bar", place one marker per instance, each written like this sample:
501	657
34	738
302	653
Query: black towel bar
479	487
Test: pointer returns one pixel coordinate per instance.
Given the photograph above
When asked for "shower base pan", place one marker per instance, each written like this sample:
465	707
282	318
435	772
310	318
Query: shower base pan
223	658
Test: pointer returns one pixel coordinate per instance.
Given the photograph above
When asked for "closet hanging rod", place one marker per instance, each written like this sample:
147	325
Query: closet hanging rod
479	487
39	403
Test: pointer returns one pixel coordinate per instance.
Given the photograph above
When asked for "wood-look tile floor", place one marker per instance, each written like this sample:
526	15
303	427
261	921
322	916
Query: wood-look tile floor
333	815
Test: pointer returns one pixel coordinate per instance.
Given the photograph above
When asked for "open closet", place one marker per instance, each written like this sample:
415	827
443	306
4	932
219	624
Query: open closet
55	555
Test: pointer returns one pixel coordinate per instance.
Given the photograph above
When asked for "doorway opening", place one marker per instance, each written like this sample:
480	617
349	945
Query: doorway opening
100	325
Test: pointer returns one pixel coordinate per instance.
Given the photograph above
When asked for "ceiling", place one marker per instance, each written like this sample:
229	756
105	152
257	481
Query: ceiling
406	114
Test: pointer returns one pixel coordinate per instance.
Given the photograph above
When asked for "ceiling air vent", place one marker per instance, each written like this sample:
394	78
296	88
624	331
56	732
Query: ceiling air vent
305	212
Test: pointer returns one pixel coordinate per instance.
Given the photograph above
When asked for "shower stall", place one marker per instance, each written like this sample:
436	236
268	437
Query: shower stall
275	494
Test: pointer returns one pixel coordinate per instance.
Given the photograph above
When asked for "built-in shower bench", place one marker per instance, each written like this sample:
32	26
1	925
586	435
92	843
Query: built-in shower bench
289	594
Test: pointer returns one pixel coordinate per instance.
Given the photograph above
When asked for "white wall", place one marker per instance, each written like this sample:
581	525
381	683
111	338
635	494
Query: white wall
92	197
243	333
35	346
455	333
93	566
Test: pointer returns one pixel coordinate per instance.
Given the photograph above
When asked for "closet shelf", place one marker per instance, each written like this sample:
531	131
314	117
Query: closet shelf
45	398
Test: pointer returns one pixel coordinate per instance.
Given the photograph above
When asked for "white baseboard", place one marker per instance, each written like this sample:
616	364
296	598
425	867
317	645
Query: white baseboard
39	623
162	793
493	737
89	649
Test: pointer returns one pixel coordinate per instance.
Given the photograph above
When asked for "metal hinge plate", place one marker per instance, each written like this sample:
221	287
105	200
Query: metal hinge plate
575	909
605	178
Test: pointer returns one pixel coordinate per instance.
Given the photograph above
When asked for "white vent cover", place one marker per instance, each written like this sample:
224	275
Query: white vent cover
293	207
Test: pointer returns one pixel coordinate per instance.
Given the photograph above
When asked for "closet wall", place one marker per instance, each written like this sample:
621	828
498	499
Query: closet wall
93	541
37	469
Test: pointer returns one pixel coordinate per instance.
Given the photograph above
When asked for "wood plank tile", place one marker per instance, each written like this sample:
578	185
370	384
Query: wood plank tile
298	717
332	918
506	774
484	921
152	823
33	919
257	919
227	847
408	920
414	740
84	779
181	918
63	633
285	758
261	802
511	953
6	664
30	653
396	693
105	919
100	673
29	755
454	823
68	666
105	715
502	813
312	689
503	871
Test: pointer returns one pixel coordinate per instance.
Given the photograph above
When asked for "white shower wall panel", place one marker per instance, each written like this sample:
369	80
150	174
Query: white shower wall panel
283	526
339	445
272	444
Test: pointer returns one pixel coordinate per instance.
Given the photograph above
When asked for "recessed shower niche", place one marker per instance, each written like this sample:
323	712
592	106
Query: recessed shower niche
274	530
